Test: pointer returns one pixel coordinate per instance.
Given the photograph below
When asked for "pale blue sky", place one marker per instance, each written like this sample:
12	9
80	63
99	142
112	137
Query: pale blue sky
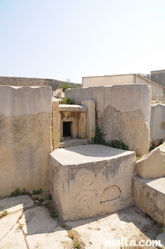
62	39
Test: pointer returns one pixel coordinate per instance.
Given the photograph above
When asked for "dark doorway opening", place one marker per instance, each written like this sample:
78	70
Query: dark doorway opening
67	133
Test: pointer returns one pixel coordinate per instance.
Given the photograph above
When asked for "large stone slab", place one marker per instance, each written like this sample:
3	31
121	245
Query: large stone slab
14	239
37	220
58	239
150	197
151	165
7	222
25	138
106	232
92	233
91	180
157	121
13	204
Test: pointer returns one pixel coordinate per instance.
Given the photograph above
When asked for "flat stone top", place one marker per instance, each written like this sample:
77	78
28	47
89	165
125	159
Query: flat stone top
87	153
72	108
156	183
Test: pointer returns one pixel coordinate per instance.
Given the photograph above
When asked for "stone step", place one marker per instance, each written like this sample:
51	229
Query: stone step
73	142
149	195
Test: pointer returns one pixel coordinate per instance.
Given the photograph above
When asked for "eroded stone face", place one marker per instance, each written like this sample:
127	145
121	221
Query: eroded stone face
25	138
149	197
122	112
24	152
151	165
91	180
127	126
157	122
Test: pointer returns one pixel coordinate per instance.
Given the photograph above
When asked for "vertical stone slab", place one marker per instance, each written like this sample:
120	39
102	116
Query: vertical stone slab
55	124
90	104
82	125
25	138
157	122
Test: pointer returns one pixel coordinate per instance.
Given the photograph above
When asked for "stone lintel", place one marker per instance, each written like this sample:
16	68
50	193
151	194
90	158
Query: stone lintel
72	108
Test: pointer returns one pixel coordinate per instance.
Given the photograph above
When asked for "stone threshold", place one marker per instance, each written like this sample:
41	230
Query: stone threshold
73	142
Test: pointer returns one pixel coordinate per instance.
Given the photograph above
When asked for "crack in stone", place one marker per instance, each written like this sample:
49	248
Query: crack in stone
12	226
19	224
24	235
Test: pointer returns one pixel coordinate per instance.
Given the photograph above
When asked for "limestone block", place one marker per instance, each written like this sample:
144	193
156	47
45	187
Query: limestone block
17	203
24	100
14	238
72	108
122	112
55	124
157	121
59	239
162	150
25	138
149	195
37	220
151	165
90	104
91	180
7	222
82	125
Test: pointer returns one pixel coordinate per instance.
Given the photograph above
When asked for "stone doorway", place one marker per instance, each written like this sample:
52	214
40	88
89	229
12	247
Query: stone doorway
67	130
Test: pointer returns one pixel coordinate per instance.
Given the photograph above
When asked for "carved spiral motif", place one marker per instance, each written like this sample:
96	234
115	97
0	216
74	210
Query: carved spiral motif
125	169
85	179
86	203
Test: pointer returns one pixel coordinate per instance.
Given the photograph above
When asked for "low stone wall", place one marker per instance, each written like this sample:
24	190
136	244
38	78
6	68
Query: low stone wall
122	112
25	139
157	122
18	81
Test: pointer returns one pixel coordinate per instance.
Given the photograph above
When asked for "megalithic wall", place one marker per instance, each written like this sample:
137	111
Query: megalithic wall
122	112
25	138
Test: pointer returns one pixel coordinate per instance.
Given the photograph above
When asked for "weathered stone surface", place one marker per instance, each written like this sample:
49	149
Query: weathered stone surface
92	233
91	180
72	108
25	144
151	165
128	126
162	150
7	222
14	239
58	239
90	104
13	204
22	100
122	112
37	220
73	142
55	124
127	224
149	197
157	122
